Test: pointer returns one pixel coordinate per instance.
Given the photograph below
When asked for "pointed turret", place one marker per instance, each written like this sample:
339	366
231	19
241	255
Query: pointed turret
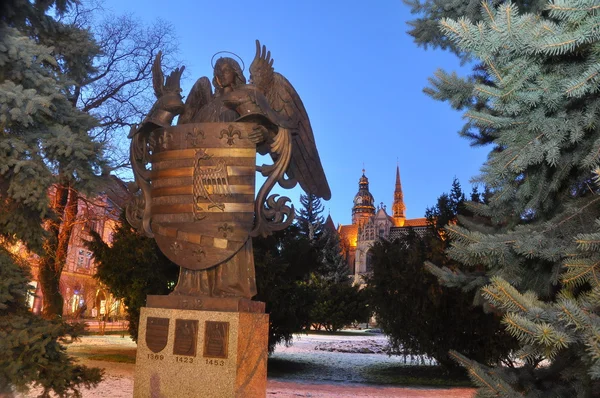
329	225
398	207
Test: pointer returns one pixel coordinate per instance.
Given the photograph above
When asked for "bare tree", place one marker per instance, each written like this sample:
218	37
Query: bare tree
119	92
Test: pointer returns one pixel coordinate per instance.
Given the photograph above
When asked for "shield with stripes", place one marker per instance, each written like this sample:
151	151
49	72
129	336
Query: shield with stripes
203	178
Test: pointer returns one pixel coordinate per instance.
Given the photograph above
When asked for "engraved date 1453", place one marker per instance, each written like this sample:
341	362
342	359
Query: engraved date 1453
215	362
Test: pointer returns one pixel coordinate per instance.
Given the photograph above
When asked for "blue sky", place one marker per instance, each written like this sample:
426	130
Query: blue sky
360	77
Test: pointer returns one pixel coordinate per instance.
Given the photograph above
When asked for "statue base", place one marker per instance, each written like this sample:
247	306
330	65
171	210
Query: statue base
206	303
198	353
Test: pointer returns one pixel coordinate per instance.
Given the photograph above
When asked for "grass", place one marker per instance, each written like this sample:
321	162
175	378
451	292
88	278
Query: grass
107	332
413	375
99	353
277	367
390	375
122	358
365	332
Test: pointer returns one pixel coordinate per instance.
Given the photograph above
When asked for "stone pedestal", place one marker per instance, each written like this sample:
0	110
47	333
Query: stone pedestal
200	353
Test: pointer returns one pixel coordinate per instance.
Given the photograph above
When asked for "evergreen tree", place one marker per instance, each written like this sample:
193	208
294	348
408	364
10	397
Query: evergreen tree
43	139
447	208
420	316
132	268
333	268
31	347
539	106
68	155
338	302
284	262
475	195
309	218
44	136
425	29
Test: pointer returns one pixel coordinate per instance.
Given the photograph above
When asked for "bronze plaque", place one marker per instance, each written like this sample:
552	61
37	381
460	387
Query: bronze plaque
186	335
157	333
216	339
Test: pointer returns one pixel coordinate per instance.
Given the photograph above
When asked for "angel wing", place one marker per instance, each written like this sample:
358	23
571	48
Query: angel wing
168	98
167	87
305	165
200	95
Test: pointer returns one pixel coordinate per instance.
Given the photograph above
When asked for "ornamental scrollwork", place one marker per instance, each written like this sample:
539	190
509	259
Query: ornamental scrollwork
272	214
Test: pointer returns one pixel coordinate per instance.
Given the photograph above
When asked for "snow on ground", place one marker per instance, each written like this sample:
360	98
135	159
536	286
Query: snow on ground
323	366
336	358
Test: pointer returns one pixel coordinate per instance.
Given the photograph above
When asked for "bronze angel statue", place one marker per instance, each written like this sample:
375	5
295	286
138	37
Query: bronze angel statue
197	178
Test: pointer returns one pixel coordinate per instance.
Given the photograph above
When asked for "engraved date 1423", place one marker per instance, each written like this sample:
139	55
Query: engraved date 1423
215	362
184	359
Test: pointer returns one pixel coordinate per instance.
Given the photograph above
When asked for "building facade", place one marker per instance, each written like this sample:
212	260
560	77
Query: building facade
370	223
83	295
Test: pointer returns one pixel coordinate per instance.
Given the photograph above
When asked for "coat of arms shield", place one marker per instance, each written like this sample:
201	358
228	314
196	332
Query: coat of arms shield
157	333
203	186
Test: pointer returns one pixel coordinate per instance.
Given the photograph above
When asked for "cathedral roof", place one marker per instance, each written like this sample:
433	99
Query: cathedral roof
416	222
329	225
382	214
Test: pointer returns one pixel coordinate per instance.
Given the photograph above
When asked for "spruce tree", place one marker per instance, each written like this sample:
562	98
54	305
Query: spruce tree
434	318
309	218
63	147
334	267
32	353
132	267
338	302
535	98
284	262
43	139
425	29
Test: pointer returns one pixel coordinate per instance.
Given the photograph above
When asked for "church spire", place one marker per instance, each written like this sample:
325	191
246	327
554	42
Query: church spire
398	207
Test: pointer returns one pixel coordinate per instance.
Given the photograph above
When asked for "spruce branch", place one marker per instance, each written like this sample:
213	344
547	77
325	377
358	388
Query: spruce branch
581	271
481	376
561	9
504	295
571	314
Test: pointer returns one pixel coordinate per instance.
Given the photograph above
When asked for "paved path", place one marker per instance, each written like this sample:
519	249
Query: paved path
287	389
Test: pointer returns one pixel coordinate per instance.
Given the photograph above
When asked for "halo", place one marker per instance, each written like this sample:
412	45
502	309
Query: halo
212	60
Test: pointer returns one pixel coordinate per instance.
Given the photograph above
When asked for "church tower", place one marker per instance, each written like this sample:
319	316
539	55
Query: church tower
363	202
398	207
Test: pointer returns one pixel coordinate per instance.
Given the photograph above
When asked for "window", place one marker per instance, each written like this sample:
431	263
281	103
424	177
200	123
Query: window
84	259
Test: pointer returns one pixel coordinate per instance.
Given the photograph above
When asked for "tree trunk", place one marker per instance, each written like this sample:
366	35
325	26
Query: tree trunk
56	249
50	284
64	236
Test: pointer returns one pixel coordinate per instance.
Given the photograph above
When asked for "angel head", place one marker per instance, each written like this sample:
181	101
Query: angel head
227	75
